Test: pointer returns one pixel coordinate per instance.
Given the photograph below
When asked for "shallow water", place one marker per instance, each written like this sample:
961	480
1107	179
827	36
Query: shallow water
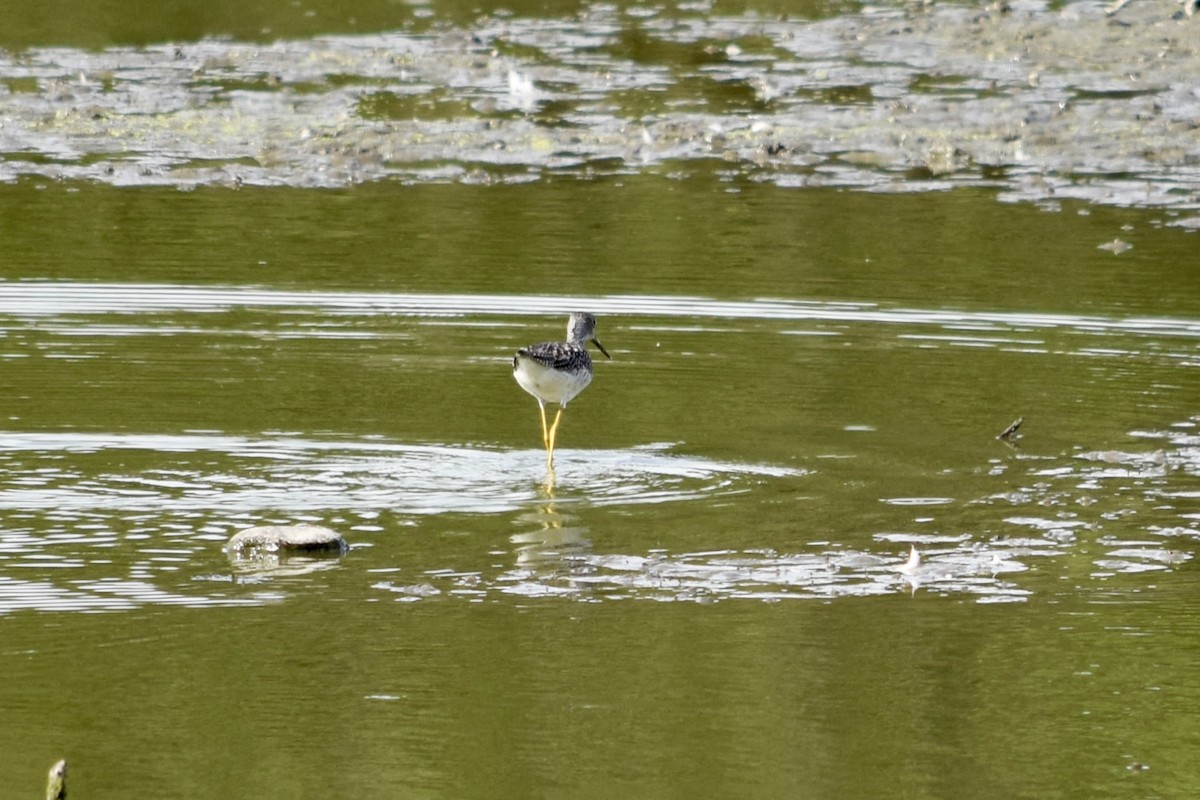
714	593
801	457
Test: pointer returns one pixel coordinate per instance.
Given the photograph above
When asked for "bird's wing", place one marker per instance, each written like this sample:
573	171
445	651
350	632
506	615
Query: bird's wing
554	355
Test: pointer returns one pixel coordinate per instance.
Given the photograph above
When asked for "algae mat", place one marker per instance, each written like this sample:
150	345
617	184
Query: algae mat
1041	102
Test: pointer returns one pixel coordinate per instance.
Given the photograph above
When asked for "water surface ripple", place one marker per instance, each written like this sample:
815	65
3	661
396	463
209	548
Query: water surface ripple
67	300
113	519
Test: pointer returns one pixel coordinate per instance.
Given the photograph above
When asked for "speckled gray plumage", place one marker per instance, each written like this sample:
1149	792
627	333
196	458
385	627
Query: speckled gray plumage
559	356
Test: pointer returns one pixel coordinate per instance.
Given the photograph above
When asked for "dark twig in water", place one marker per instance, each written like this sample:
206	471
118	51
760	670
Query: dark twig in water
56	781
1009	433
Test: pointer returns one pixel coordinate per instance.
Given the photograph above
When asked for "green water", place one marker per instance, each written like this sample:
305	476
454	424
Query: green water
704	600
709	595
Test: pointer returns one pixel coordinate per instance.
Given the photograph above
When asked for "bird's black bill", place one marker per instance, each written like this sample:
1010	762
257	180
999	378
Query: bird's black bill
596	342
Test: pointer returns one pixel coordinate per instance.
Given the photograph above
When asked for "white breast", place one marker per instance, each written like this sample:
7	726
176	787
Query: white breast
548	385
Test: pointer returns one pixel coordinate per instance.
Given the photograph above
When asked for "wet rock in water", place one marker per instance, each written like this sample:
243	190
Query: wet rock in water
287	539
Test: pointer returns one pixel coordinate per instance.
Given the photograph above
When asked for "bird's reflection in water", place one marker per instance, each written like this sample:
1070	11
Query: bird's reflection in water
553	542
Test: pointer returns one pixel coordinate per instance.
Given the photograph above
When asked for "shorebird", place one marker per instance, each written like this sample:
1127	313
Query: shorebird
555	372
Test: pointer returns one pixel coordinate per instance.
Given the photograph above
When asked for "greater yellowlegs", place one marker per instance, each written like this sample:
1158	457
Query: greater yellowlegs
555	372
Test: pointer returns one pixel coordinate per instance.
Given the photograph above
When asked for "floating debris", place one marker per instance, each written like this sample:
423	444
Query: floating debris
56	781
849	101
913	563
1116	246
1010	433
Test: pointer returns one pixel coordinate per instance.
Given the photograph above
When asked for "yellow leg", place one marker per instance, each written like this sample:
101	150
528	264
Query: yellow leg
545	435
553	436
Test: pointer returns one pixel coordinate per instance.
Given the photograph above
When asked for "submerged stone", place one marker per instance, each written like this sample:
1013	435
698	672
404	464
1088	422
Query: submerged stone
284	539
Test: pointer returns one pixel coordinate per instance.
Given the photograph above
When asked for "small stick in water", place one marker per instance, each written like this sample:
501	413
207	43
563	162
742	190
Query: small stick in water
56	781
1010	432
